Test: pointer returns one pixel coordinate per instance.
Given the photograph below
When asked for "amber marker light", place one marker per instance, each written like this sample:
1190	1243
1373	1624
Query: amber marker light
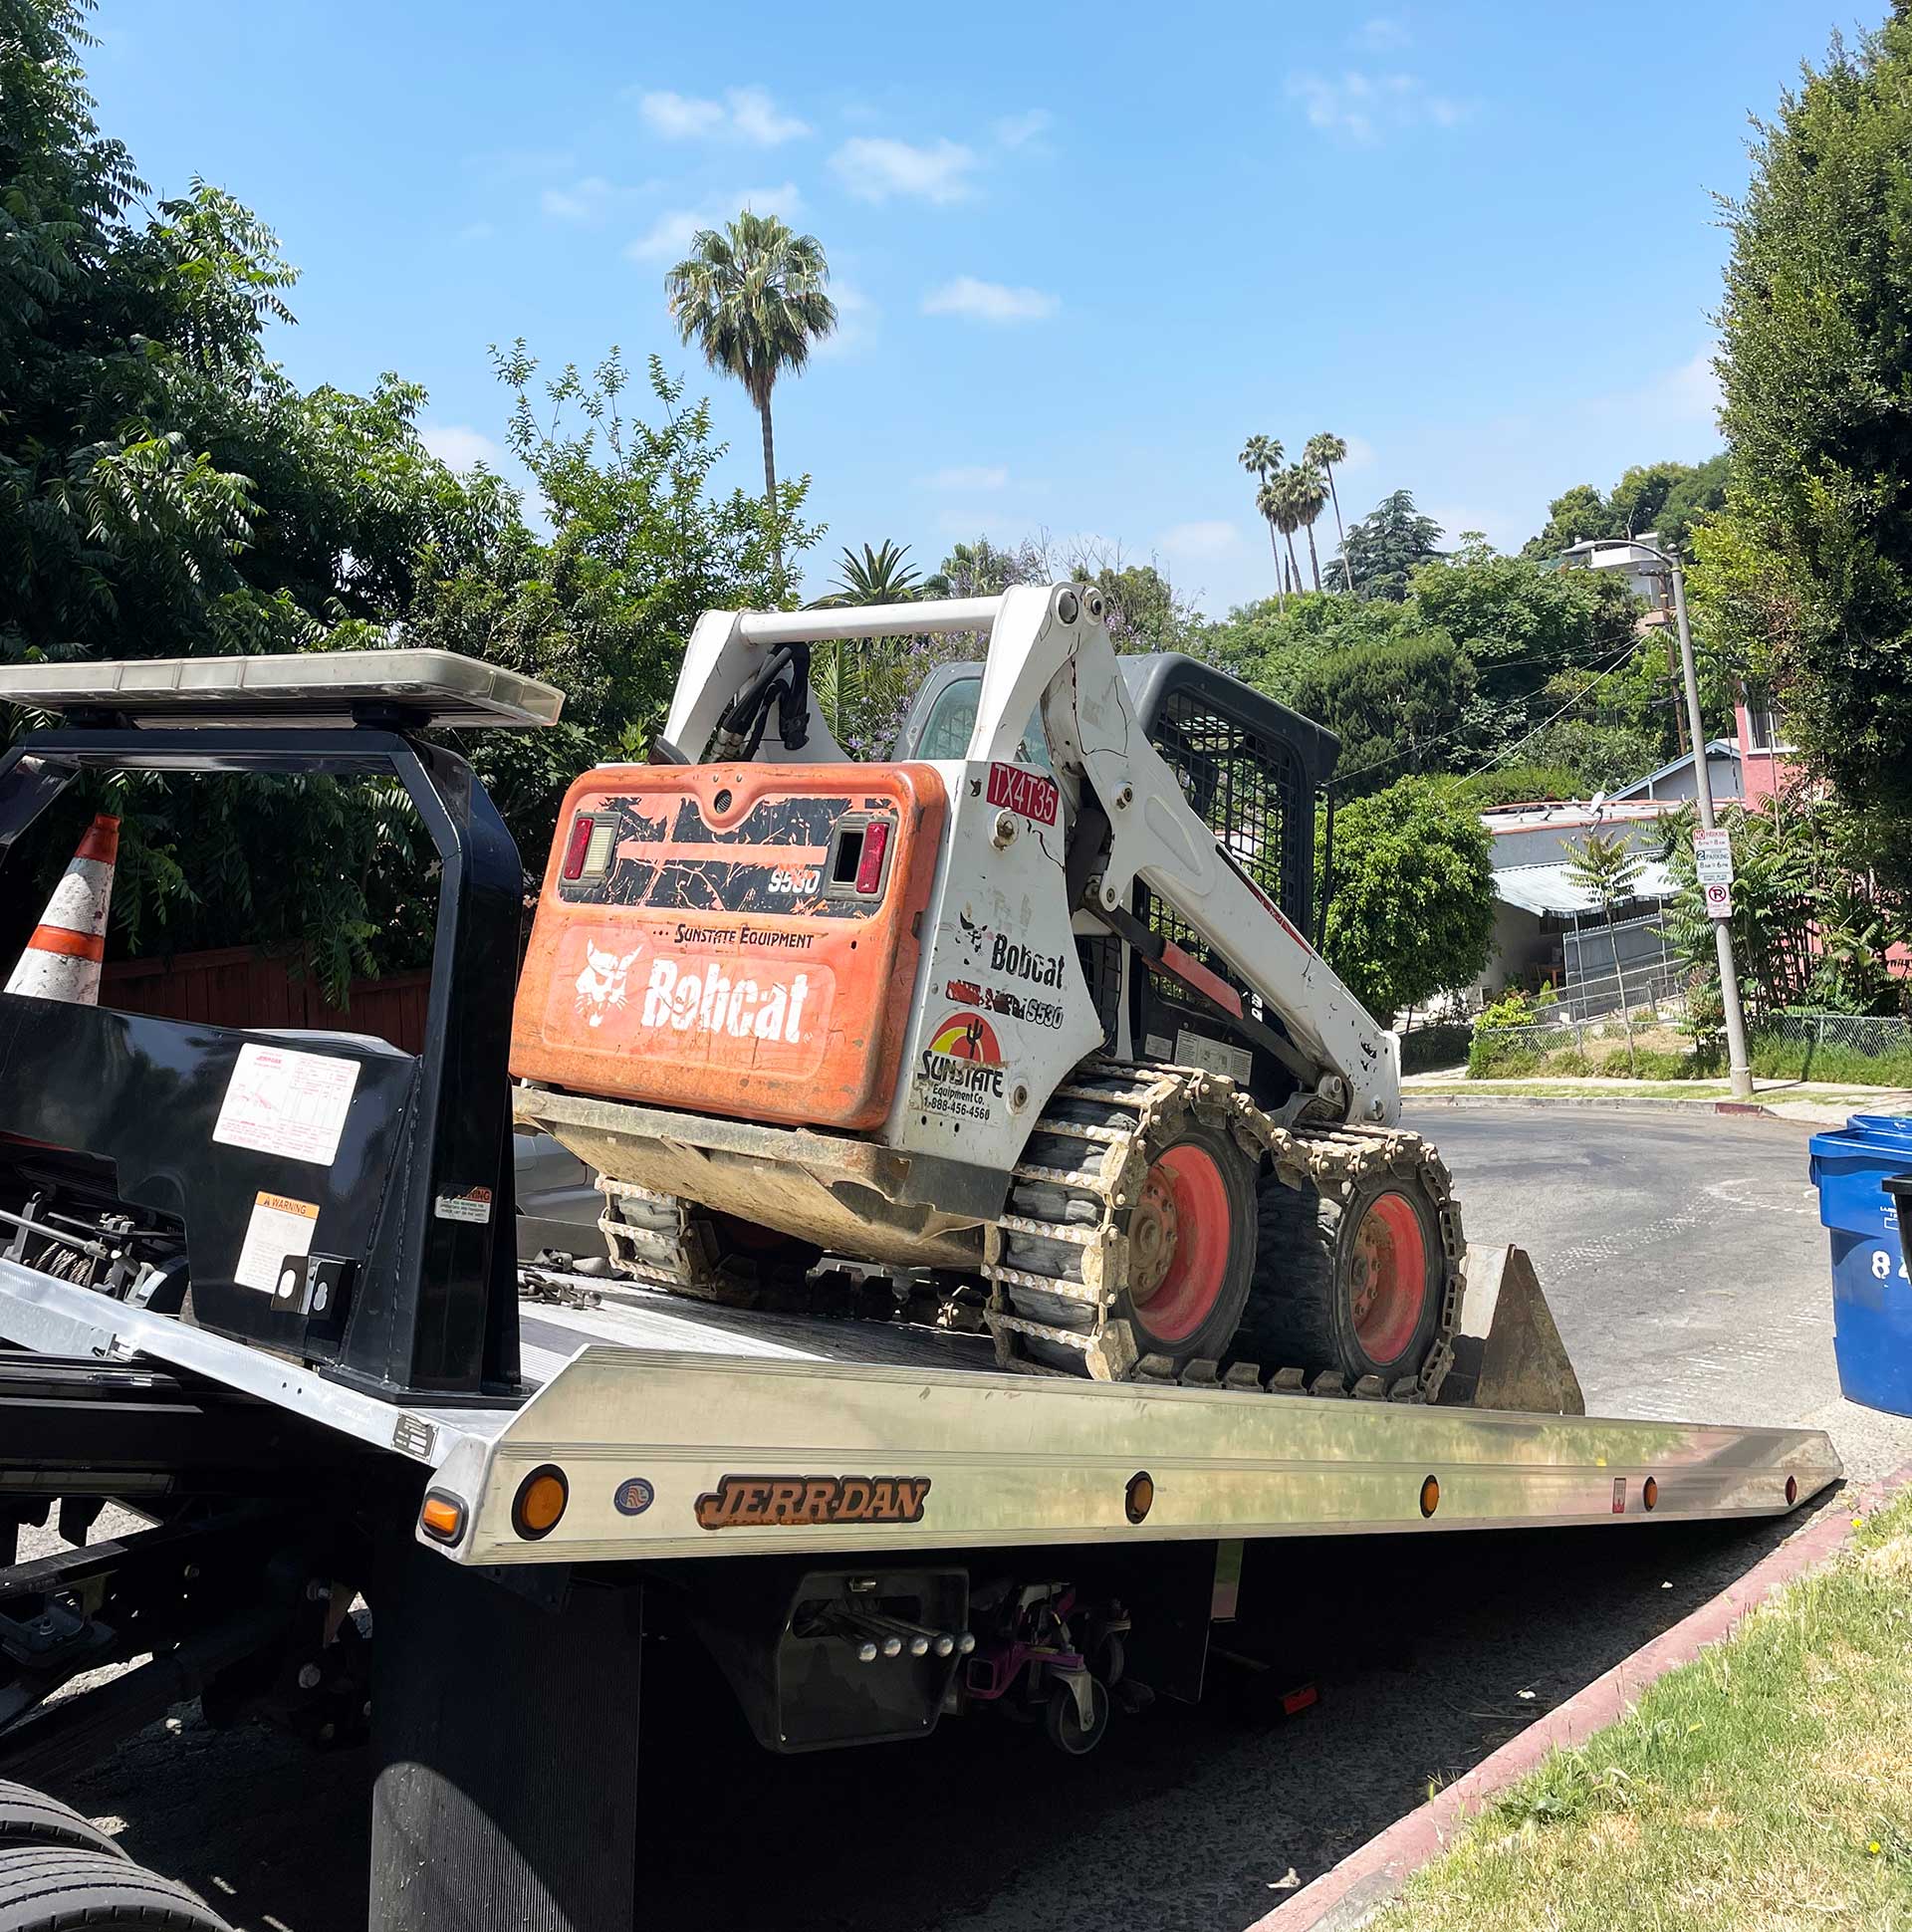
540	1502
1139	1497
442	1518
1430	1495
1650	1491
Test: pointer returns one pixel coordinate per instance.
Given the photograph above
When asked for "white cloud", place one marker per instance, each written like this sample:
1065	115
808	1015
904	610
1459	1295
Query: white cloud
670	233
990	302
857	319
975	476
1018	130
459	447
1382	33
584	200
1685	397
755	117
1212	538
875	168
1361	456
744	113
1361	106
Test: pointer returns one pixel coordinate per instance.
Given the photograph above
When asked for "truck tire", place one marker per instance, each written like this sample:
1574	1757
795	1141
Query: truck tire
1355	1283
32	1817
49	1889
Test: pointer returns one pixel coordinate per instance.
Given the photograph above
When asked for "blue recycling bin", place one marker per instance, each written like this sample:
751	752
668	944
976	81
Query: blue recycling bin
1871	1296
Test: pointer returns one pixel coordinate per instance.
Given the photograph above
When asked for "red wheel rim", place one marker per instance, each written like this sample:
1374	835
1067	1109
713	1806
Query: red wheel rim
1179	1237
1388	1277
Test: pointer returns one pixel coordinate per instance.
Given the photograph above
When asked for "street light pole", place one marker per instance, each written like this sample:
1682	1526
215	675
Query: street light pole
1737	1066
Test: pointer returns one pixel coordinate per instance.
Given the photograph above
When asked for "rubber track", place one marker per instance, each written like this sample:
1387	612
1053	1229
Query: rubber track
1060	1256
1056	1259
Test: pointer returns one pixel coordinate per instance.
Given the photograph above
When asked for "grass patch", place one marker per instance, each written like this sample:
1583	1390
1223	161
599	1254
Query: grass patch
1781	1060
1765	1785
1660	1055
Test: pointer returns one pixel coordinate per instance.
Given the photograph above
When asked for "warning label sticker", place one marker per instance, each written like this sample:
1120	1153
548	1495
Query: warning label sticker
280	1225
279	1102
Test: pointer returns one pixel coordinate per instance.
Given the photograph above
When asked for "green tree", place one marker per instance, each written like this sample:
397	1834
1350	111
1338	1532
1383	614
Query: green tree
642	545
1307	499
1576	516
1385	550
1805	577
864	684
752	297
1606	866
1396	708
1323	452
1262	456
877	577
1271	501
1410	903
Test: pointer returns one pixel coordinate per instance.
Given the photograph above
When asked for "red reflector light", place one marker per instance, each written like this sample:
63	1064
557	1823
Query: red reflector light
577	845
869	868
1296	1701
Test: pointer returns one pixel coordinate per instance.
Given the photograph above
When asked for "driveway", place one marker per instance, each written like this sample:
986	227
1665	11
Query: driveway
1689	1278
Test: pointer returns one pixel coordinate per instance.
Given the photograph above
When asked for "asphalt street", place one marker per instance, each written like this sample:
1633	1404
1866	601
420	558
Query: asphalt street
1688	1276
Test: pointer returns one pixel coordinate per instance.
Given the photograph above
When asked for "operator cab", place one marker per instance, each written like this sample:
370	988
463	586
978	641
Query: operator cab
1252	769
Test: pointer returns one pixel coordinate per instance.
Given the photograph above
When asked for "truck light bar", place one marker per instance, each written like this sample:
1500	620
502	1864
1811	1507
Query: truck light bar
422	687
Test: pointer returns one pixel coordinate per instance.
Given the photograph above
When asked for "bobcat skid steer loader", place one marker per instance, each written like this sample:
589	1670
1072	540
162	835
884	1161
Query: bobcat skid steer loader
1030	1009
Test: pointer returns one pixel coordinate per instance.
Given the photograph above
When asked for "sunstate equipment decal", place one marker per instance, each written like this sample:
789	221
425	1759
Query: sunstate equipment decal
758	1501
960	1070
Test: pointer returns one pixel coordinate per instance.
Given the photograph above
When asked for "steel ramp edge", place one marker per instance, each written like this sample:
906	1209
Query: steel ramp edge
673	1454
54	1317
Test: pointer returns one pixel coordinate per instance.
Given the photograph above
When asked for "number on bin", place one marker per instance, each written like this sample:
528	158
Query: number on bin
1882	1265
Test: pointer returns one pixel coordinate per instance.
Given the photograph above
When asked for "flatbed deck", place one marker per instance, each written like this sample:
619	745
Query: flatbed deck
690	1431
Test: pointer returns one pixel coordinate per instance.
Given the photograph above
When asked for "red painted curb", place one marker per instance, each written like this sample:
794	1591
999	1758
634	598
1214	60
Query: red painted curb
1366	1879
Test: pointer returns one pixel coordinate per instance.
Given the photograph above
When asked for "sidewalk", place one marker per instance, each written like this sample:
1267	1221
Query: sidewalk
1816	1102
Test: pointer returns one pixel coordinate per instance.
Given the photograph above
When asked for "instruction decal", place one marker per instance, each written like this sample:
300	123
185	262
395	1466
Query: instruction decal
279	1102
757	1501
279	1227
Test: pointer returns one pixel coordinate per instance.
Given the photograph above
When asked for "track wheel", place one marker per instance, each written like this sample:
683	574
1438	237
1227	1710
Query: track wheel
50	1888
1191	1246
695	1251
1062	1719
32	1817
1355	1283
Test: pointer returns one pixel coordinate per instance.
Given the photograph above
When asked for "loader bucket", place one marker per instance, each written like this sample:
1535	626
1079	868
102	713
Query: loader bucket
1507	1354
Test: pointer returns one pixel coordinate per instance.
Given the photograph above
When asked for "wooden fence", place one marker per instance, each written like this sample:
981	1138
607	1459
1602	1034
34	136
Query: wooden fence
239	987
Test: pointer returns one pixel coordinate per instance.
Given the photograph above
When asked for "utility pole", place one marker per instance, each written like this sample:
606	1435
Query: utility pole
1737	1066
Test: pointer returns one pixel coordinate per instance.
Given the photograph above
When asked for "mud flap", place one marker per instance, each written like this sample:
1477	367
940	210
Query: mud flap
1507	1354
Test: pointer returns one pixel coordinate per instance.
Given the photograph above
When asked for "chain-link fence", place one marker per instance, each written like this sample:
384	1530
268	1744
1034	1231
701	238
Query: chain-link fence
1861	1033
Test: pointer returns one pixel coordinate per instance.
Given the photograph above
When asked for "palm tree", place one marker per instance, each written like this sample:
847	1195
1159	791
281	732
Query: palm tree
1288	515
877	577
1607	869
751	295
1324	451
1269	500
1262	456
1309	495
864	685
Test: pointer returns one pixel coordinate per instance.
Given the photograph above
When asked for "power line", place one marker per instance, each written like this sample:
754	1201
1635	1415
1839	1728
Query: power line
1618	664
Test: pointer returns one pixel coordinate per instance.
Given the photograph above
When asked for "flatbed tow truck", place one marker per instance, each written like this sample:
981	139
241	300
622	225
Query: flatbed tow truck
869	1521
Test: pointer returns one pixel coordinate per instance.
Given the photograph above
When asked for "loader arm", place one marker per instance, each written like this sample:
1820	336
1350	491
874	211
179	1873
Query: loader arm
1104	759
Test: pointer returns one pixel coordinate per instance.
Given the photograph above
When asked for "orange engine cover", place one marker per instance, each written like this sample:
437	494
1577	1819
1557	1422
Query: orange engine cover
736	939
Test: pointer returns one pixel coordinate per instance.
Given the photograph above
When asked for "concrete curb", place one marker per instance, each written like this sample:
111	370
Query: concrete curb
1347	1894
1621	1103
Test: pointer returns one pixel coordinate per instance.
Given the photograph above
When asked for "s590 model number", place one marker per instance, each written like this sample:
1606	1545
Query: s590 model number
798	882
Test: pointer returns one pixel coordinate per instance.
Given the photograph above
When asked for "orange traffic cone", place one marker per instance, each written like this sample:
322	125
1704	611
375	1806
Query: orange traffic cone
61	960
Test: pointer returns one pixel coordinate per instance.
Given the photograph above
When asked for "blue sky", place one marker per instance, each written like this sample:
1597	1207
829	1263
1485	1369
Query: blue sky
1080	252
